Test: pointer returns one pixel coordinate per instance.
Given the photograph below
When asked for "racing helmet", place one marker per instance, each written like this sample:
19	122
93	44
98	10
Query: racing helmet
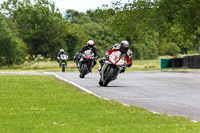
124	46
62	51
90	43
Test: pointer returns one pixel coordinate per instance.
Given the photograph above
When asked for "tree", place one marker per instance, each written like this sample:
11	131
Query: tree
75	39
40	25
12	48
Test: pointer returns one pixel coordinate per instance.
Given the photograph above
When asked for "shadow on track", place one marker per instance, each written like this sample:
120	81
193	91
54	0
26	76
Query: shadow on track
111	86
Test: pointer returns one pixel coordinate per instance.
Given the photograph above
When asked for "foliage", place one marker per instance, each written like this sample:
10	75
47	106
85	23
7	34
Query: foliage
75	39
144	51
175	24
41	26
12	48
169	48
102	35
77	18
152	27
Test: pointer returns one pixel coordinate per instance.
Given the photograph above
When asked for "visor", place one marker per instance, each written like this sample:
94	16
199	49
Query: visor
90	46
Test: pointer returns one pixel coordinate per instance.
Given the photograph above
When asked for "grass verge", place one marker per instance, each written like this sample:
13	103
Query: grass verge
38	104
52	66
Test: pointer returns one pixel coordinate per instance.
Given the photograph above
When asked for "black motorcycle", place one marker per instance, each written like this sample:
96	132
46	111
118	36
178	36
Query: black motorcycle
86	63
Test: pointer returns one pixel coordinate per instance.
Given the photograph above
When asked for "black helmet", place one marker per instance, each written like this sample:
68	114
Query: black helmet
90	43
124	46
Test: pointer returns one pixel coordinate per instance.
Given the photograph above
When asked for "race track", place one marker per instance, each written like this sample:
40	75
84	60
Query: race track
172	93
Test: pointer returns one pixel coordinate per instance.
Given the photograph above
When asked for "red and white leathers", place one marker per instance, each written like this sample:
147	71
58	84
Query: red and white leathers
127	55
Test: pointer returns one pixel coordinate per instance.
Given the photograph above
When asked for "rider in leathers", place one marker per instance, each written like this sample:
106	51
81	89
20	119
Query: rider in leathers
124	48
59	55
90	45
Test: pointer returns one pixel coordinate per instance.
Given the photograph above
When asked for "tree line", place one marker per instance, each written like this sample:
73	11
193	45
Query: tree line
153	28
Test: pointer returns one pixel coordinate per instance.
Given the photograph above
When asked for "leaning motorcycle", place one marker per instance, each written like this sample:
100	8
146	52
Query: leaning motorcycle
86	63
111	68
63	62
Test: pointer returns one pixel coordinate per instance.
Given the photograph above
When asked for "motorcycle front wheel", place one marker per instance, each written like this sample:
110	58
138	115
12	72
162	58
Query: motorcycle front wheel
109	76
84	71
63	68
100	82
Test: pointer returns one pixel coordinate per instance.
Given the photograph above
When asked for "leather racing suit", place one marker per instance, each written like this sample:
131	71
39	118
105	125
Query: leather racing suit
116	47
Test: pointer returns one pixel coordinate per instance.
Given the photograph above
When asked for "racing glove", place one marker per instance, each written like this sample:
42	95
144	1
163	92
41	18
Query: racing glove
95	58
106	54
128	64
58	59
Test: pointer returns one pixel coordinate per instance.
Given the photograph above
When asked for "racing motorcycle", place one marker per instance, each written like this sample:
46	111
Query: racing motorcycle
63	62
85	63
111	68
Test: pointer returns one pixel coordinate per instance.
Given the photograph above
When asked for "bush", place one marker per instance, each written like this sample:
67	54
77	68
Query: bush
169	48
144	51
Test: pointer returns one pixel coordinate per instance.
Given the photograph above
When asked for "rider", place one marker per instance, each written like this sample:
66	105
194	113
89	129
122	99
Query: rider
59	55
124	48
90	45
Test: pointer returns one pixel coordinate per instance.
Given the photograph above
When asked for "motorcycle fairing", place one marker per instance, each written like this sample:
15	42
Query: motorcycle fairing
63	57
116	59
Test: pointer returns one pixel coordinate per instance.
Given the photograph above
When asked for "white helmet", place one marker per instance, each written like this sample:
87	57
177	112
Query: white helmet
62	51
90	43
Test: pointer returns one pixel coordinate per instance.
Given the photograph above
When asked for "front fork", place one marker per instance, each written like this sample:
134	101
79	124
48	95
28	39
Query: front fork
103	69
91	65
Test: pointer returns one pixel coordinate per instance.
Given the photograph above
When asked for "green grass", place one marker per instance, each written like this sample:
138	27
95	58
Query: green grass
52	66
39	66
47	66
43	104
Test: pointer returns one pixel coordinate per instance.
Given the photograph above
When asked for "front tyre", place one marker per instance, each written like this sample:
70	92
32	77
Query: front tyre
84	71
100	82
63	68
109	76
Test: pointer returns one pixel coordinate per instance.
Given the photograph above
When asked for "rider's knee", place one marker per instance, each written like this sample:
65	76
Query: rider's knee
101	61
122	69
94	63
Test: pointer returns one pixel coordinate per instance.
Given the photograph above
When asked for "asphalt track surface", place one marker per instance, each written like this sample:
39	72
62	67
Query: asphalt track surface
171	93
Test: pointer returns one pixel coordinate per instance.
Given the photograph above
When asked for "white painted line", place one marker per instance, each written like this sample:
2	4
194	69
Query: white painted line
155	112
168	115
125	104
76	85
194	121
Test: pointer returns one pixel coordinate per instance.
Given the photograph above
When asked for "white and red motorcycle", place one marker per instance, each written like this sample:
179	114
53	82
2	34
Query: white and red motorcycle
63	62
111	68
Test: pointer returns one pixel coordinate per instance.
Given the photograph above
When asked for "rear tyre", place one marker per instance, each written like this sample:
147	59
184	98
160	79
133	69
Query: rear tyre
108	76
